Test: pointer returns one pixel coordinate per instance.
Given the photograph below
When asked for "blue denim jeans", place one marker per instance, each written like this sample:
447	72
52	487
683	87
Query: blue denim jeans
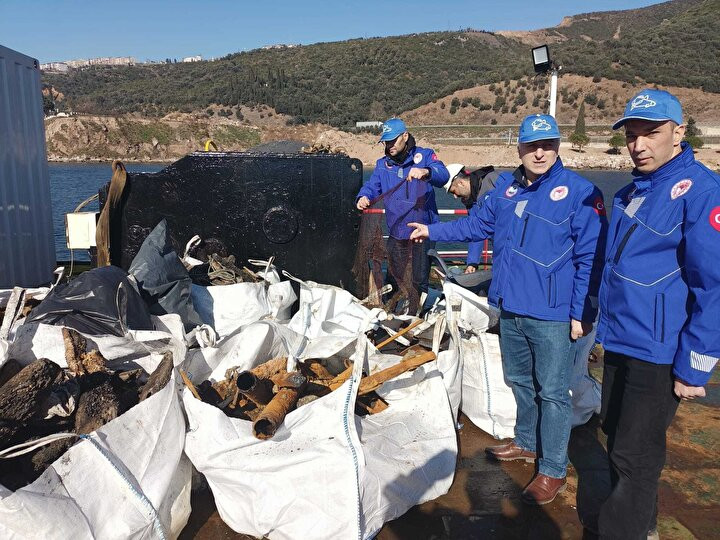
537	358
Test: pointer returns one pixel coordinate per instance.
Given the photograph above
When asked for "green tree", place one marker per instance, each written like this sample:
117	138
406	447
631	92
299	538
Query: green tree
579	140
694	141
692	134
616	142
580	120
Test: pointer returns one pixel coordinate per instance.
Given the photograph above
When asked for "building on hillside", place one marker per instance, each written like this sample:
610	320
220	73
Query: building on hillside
196	58
105	61
59	67
368	124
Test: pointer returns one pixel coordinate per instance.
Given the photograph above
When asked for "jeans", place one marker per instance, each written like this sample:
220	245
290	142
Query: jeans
402	253
537	358
638	404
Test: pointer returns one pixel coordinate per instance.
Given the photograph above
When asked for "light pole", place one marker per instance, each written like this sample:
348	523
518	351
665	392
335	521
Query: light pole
543	64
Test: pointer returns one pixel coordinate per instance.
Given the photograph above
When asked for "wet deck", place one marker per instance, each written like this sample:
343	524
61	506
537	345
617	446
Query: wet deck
484	500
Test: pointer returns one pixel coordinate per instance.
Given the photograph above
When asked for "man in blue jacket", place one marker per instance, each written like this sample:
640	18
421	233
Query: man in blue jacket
405	177
659	304
471	187
548	227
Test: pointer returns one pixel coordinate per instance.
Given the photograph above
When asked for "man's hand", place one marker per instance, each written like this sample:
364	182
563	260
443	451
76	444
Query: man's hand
470	269
420	233
363	203
417	172
686	392
579	329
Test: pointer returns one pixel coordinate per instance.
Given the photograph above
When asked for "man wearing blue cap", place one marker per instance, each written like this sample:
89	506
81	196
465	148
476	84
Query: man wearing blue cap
659	304
548	227
405	177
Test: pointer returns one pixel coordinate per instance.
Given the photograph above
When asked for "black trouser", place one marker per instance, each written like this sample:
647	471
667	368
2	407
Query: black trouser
638	405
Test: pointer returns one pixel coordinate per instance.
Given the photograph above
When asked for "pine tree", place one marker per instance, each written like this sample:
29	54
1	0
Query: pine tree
579	138
580	121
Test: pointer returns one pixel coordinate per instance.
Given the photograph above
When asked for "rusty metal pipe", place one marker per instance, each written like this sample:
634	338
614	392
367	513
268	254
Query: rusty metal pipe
290	385
257	390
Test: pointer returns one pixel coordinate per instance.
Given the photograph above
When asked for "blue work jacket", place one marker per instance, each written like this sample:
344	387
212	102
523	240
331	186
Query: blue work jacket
413	202
660	292
548	238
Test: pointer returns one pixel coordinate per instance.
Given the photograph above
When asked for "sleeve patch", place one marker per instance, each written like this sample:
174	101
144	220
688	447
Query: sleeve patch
702	362
715	218
599	206
434	157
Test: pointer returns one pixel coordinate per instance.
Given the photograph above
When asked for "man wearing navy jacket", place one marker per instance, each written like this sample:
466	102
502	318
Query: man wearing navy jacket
548	227
659	304
419	169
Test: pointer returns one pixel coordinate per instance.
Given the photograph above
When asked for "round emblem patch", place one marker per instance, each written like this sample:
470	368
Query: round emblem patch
680	189
511	191
599	206
715	218
559	193
417	158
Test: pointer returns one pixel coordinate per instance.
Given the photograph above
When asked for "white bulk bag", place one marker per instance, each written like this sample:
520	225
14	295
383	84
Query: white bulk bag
487	399
328	473
127	480
226	308
328	310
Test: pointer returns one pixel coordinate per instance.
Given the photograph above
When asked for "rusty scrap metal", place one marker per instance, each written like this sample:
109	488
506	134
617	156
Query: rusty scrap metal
289	388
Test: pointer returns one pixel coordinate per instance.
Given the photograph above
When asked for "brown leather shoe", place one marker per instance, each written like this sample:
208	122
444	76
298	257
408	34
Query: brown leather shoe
510	452
543	489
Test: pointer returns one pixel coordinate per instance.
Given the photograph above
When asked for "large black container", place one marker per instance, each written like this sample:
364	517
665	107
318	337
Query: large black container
298	207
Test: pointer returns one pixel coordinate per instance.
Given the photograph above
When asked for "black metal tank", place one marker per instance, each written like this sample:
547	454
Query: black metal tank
297	207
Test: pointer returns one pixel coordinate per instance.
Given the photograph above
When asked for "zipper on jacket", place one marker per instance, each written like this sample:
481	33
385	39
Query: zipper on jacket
524	230
624	241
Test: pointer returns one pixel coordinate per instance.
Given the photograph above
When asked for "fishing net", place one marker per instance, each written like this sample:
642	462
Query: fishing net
402	260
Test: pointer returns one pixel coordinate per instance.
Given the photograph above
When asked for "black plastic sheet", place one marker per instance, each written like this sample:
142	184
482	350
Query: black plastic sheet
97	302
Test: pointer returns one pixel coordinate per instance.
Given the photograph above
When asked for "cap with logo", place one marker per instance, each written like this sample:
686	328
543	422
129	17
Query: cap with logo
454	169
392	128
654	105
537	127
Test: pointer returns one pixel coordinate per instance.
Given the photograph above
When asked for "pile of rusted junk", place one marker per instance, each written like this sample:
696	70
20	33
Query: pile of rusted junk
325	420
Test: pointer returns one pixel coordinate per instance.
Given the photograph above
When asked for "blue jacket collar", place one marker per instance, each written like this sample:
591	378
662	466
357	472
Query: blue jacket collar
520	178
408	159
683	160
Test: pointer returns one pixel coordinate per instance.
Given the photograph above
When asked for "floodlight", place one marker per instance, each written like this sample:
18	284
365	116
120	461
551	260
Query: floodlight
541	59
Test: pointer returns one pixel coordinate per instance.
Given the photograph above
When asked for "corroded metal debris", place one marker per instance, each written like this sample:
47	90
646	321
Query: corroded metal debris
265	394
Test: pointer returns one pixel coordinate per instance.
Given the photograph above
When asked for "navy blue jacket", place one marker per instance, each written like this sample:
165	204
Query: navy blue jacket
660	292
413	202
548	239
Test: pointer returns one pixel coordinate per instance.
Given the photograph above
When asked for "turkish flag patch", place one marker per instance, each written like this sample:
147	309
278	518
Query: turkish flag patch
715	218
599	206
433	157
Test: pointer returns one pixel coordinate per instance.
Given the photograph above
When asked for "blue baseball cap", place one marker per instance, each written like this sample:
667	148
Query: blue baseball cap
538	127
392	129
653	105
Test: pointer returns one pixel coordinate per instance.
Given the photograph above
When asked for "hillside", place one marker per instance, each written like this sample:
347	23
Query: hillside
674	43
509	101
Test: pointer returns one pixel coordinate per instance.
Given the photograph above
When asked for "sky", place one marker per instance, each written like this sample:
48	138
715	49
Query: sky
56	30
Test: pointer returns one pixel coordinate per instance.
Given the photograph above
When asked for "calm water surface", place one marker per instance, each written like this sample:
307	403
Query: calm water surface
70	184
